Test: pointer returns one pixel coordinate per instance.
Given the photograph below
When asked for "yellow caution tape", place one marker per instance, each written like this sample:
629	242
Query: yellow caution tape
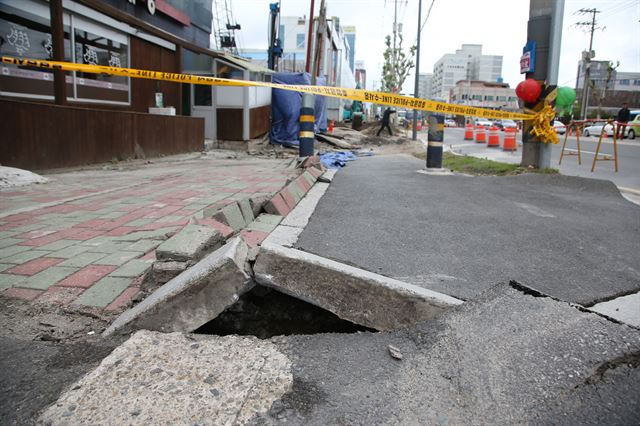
541	126
336	92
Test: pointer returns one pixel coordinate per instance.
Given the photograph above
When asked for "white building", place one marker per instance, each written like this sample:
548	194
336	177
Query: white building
468	63
484	94
424	85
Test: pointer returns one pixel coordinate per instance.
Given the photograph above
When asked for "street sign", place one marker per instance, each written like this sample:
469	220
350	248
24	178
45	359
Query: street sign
528	58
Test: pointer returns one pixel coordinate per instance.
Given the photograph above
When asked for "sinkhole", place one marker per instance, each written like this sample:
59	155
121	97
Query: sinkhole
263	312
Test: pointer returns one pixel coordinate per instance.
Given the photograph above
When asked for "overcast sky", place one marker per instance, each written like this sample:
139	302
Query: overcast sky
499	25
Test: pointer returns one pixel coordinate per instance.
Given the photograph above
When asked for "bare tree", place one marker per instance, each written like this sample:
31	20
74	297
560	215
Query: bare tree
397	65
601	97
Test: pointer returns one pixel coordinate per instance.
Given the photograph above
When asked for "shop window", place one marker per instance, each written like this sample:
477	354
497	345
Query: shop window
25	33
300	41
99	46
202	95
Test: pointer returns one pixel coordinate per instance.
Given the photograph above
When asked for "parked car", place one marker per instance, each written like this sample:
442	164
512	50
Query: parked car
633	128
507	124
559	127
595	129
483	122
450	123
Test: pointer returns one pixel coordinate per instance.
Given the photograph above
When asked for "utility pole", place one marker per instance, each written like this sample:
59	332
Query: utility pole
545	29
57	36
395	30
586	59
416	88
322	23
307	65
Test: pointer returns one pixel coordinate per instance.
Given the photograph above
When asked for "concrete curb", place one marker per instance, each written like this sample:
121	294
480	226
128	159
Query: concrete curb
353	294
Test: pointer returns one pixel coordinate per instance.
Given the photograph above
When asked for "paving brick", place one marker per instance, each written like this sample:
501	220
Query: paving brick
85	277
22	293
189	244
60	295
304	185
297	192
161	233
288	198
245	208
277	206
34	266
102	293
11	250
50	276
119	258
265	223
7	280
225	230
132	268
310	178
144	245
8	242
57	245
123	300
315	172
25	256
5	266
253	238
232	216
28	228
83	259
109	247
140	222
122	230
69	252
150	255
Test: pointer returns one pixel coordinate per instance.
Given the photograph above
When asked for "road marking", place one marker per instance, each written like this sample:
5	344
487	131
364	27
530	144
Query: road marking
588	152
534	210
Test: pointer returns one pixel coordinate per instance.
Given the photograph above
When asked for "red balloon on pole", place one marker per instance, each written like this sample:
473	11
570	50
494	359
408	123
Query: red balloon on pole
529	90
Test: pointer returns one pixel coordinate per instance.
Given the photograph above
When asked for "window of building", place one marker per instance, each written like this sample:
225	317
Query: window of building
512	98
476	97
624	82
502	98
636	82
300	41
202	95
488	98
25	33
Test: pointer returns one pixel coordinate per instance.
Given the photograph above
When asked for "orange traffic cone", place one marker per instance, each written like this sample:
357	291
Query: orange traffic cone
330	129
481	134
468	132
509	143
494	137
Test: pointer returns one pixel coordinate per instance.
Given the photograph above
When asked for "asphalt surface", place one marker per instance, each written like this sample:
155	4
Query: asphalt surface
506	358
573	238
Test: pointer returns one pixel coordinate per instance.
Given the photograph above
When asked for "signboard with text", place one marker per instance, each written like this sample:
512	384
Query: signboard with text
528	58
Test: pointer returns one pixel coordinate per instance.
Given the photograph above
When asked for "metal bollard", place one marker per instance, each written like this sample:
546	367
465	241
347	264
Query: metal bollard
435	140
307	120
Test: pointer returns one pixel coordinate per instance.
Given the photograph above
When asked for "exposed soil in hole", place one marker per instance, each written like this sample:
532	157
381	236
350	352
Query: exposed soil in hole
265	313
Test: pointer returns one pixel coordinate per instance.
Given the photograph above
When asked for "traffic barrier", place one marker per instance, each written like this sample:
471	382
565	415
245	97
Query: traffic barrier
481	134
468	132
494	137
330	129
509	143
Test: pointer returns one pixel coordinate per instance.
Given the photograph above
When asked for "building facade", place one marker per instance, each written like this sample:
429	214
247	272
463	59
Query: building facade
424	85
106	116
350	36
484	94
468	63
609	88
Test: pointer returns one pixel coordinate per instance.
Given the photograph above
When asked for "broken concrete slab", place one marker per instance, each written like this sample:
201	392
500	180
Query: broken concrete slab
257	203
277	206
247	212
191	243
194	297
156	378
231	215
265	223
353	294
163	272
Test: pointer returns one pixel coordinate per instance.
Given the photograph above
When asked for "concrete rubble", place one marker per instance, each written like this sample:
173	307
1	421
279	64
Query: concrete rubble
194	297
156	378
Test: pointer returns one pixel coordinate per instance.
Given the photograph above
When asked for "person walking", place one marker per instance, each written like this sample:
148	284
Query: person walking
385	121
622	119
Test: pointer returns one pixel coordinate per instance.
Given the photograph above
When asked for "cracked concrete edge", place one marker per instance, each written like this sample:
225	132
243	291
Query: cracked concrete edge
287	233
352	271
234	251
625	309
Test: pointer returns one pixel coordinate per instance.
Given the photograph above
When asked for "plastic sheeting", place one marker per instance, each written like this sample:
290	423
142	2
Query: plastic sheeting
336	160
285	109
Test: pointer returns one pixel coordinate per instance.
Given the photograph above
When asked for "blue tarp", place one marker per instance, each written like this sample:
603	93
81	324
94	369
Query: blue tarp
335	160
285	109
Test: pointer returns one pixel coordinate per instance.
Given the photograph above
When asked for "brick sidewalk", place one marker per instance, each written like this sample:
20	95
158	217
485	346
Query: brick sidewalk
86	237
